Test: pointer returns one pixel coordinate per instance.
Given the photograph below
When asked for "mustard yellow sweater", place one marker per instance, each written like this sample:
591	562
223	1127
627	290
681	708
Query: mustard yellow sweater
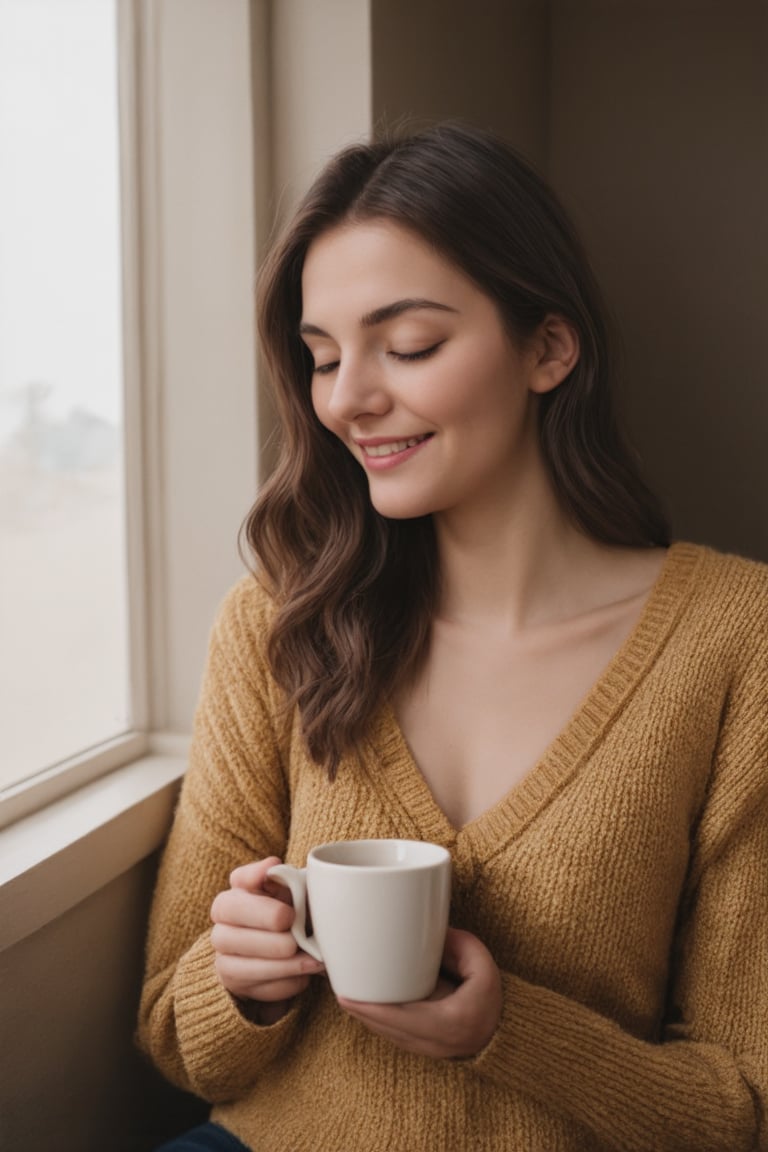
622	888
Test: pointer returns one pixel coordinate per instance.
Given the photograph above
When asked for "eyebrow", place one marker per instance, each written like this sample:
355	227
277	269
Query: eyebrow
381	315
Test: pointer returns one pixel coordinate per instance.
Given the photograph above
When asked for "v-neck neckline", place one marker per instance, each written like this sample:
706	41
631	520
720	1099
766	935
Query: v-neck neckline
407	790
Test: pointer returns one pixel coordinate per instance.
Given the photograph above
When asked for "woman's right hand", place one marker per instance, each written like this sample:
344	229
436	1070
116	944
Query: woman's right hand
257	958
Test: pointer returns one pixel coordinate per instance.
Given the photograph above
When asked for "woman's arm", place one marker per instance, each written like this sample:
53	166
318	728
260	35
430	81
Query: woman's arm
233	810
705	1085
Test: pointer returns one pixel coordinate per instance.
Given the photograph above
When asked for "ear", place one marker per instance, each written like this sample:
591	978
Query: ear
556	347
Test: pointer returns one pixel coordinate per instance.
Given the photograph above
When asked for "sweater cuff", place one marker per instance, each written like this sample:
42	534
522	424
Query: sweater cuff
223	1052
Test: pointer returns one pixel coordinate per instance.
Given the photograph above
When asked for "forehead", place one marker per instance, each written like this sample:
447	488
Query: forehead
368	264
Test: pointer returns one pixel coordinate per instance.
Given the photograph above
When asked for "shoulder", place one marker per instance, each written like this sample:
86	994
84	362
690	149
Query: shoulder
712	568
245	611
237	648
724	591
729	601
738	571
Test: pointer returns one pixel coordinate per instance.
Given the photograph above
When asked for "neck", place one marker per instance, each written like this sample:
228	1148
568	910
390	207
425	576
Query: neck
513	566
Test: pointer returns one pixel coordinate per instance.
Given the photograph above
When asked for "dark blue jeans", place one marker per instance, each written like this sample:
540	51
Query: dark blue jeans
207	1138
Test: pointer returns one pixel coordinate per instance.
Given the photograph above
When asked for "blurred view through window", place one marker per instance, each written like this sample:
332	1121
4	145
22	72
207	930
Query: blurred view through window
64	671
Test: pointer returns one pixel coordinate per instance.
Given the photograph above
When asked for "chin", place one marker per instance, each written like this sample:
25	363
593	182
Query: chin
402	509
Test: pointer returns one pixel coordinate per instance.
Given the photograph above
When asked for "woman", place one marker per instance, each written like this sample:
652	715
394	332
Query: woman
467	626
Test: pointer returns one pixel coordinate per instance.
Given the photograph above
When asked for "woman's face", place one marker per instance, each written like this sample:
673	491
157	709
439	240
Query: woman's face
415	372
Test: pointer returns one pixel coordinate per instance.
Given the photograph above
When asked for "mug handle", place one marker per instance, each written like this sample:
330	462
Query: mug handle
295	880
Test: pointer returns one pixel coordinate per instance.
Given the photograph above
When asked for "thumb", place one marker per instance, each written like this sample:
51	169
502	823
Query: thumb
463	954
253	877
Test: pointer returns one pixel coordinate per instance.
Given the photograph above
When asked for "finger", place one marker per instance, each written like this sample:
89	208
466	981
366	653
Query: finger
257	971
278	891
252	876
248	910
280	990
262	991
253	942
265	979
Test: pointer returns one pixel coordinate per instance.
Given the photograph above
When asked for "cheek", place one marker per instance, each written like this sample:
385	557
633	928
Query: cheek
477	390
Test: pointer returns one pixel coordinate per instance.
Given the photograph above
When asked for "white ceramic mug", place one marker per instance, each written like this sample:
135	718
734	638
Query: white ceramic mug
379	911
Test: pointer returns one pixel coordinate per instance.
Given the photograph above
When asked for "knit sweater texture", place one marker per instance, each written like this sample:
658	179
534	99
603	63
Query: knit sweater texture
622	888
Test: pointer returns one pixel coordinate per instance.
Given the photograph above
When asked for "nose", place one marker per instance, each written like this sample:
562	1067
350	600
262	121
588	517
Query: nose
358	389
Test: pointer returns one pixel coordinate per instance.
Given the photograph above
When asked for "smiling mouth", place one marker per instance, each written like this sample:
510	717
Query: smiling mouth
393	446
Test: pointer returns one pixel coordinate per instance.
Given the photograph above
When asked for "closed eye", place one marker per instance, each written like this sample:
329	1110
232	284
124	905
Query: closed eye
422	354
403	357
325	369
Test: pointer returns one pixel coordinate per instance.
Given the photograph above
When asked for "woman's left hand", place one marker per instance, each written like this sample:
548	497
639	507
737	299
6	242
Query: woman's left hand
460	1016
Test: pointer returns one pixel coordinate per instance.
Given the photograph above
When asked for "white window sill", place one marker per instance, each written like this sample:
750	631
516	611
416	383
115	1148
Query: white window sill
55	858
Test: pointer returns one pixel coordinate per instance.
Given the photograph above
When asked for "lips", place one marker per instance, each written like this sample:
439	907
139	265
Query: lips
390	447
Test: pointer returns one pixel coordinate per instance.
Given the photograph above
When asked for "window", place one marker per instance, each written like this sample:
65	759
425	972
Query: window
64	664
141	210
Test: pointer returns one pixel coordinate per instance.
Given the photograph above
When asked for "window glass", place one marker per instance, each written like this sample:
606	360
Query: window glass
64	671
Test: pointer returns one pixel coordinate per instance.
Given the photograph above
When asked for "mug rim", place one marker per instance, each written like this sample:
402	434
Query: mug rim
435	856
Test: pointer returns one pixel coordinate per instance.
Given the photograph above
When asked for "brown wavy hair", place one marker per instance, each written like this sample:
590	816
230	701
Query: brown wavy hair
355	592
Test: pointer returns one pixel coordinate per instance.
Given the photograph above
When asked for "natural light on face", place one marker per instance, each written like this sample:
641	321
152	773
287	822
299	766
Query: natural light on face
63	648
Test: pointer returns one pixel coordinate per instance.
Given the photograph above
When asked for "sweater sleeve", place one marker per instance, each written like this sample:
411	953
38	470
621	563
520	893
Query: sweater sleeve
704	1084
232	810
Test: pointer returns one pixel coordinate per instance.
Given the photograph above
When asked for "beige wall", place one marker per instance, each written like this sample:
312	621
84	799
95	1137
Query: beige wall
320	87
200	328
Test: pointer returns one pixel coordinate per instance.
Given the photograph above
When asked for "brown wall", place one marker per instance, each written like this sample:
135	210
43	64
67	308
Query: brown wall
659	142
486	62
